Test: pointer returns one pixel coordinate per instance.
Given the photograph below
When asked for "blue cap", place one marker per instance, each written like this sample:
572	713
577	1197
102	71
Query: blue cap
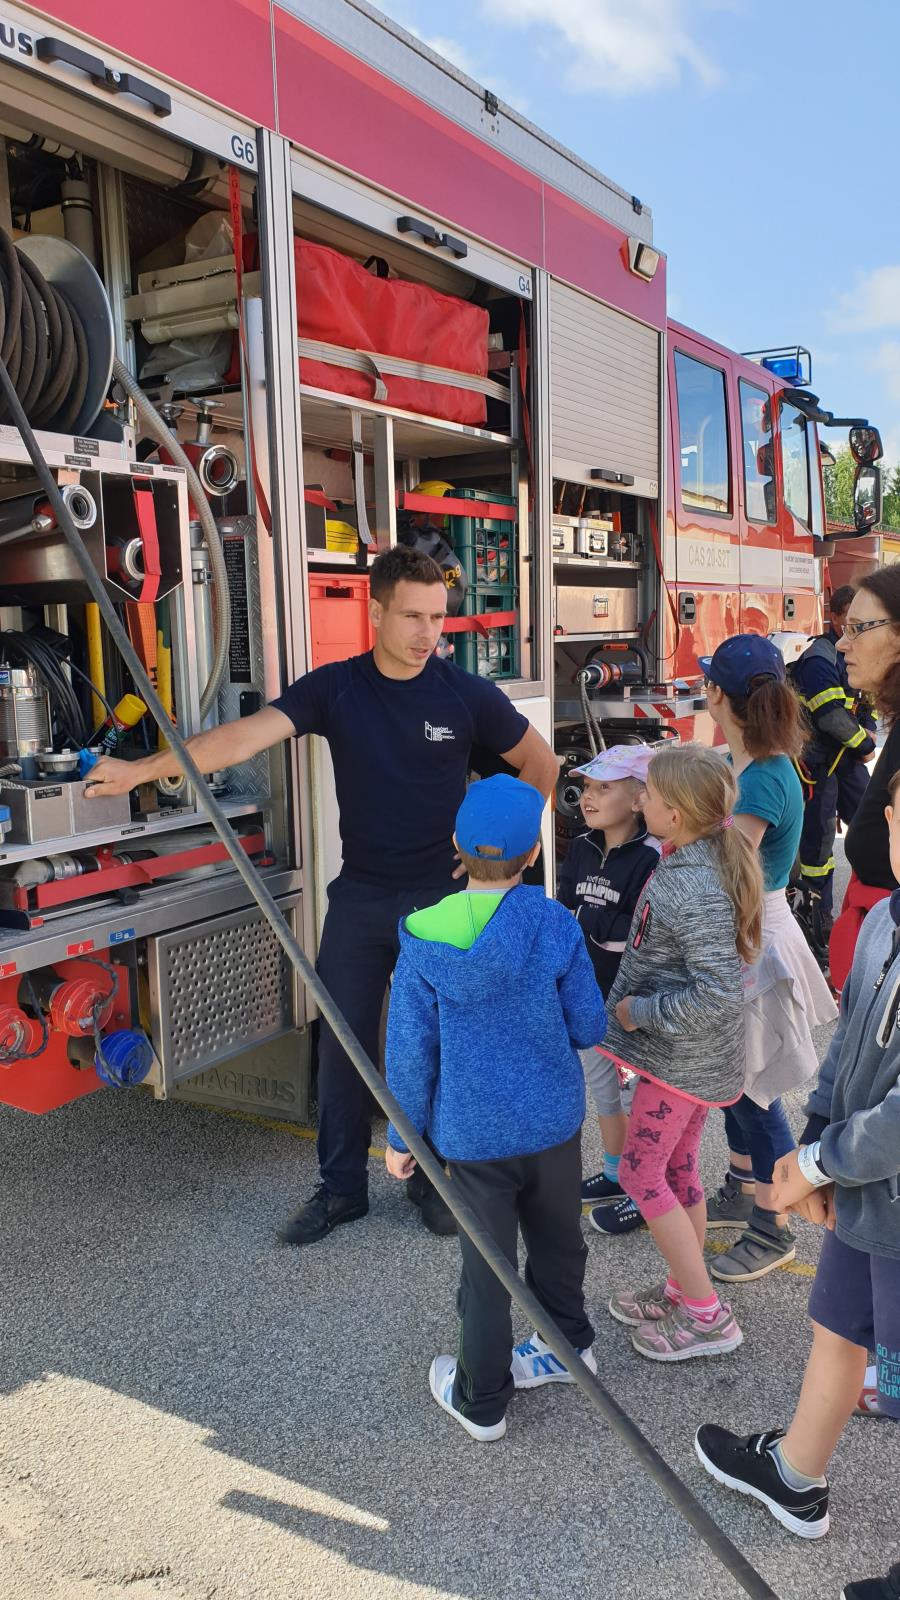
500	818
741	659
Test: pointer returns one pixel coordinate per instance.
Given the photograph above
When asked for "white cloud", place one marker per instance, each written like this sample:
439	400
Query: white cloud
872	304
616	46
886	361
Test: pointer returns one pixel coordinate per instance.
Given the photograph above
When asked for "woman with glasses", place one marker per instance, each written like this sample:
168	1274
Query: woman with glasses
870	645
785	995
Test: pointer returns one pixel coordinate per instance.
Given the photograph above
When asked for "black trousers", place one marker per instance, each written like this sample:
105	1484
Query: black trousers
833	797
541	1194
357	955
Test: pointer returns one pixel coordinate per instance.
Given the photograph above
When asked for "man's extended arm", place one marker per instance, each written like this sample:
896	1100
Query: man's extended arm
534	761
225	746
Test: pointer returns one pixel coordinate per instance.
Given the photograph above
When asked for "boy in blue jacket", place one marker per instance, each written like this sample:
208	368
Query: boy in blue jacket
845	1175
493	996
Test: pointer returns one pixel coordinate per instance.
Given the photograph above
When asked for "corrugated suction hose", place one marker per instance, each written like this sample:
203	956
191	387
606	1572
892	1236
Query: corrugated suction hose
153	425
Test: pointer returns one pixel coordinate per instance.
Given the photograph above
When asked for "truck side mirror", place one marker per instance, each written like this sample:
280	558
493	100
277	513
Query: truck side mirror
867	498
866	446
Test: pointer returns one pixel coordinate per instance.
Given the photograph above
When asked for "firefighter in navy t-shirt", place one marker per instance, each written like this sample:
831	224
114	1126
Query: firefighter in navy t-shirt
400	725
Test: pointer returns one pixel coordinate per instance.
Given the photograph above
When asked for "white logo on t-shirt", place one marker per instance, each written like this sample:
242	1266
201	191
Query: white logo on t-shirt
438	735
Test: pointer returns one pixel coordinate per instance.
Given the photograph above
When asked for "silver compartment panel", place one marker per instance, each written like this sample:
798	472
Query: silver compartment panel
216	989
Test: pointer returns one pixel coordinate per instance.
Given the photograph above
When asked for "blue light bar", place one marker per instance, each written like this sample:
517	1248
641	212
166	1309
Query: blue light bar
790	368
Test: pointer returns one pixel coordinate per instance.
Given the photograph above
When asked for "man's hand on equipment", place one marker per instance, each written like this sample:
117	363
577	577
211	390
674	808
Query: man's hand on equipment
111	777
400	1163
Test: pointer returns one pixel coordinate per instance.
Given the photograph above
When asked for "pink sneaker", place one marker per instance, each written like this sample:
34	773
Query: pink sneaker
678	1337
644	1305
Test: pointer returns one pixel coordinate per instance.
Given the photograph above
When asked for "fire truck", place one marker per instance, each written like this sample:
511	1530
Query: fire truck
275	295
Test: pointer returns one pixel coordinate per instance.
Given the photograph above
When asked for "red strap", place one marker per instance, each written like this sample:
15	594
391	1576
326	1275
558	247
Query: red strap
316	497
237	234
140	620
448	506
491	619
145	511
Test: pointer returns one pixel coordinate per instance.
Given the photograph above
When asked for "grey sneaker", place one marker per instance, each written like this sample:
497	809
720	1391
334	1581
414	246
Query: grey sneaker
754	1255
643	1305
729	1207
677	1337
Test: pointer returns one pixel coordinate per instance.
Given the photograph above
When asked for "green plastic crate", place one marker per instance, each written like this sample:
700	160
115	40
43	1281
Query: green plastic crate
495	654
487	546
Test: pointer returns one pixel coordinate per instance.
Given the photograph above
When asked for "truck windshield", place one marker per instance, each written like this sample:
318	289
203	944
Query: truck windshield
795	461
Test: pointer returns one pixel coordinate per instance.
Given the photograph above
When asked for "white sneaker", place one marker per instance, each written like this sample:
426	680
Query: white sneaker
534	1363
440	1380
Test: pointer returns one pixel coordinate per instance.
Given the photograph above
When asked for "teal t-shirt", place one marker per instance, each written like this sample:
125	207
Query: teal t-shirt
771	790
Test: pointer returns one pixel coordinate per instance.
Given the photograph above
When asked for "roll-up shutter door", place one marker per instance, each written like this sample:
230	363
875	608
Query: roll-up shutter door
604	392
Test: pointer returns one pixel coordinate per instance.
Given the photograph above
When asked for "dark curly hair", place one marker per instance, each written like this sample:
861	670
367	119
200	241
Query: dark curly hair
885	586
401	565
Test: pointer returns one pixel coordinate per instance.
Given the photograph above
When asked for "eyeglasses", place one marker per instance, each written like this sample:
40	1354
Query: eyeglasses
852	629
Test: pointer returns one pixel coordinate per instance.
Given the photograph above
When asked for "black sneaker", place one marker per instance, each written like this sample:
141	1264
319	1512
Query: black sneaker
321	1213
437	1217
600	1190
749	1466
623	1217
887	1588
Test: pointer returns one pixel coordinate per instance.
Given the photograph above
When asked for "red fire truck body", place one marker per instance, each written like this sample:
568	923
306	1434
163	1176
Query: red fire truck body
629	494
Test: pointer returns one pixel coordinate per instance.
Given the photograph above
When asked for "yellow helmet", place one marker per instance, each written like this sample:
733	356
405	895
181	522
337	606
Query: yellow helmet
433	486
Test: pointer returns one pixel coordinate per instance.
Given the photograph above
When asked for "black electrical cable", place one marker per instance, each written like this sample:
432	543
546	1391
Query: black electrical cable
94	690
600	1399
35	652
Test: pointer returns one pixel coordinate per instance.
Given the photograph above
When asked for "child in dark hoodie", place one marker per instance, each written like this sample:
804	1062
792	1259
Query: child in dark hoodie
601	881
846	1176
493	996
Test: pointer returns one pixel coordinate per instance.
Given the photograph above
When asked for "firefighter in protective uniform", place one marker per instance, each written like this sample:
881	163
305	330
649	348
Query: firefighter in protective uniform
833	768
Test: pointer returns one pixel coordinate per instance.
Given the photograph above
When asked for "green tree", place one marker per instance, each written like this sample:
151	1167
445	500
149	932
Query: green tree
839	487
890	517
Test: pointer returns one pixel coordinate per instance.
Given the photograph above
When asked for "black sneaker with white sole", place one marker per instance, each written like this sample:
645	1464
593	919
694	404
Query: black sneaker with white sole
600	1190
886	1588
623	1217
748	1465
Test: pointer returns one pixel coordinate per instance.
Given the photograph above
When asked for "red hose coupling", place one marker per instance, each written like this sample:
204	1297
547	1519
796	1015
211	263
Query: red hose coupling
19	1035
73	1005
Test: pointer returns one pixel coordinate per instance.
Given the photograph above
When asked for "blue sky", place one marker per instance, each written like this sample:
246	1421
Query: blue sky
763	134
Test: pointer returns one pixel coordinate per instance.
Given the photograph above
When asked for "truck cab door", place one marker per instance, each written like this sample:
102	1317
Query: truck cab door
704	513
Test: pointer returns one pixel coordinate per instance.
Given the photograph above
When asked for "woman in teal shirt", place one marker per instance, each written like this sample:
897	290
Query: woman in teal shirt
786	995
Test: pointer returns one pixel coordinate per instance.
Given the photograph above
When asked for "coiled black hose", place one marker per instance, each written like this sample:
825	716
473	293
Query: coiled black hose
42	342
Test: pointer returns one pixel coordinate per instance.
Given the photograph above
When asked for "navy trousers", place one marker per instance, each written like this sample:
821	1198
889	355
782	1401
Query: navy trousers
359	948
832	797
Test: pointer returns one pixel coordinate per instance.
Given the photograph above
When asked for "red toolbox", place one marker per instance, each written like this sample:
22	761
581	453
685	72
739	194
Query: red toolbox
339	616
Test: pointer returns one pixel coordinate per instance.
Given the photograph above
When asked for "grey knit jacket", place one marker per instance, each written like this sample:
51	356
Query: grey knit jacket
682	966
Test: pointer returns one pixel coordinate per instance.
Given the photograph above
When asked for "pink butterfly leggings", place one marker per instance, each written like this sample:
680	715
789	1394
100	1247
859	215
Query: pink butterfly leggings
658	1168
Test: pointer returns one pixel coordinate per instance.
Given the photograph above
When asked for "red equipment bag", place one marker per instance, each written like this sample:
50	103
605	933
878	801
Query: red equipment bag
339	302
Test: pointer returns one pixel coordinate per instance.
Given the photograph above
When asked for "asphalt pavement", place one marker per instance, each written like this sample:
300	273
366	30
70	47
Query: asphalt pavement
189	1410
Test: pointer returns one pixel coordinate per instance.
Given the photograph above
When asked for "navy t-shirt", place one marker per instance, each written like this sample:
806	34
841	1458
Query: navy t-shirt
400	748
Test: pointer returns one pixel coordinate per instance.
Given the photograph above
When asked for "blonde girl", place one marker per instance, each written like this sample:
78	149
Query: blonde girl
677	1020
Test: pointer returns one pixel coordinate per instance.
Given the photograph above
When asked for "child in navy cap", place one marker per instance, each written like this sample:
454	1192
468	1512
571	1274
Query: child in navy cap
493	996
